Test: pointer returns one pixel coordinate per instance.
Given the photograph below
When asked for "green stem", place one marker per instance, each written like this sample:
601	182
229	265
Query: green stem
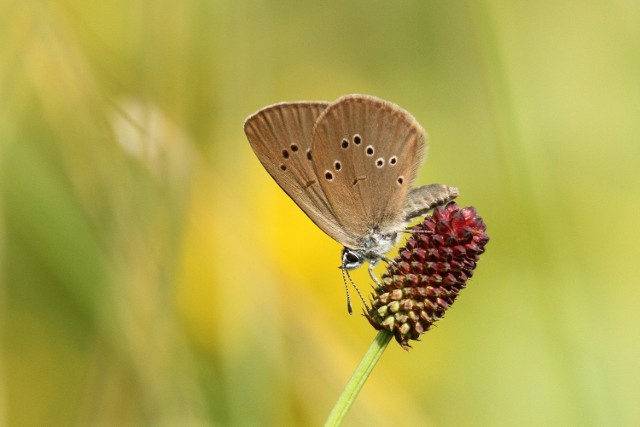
358	378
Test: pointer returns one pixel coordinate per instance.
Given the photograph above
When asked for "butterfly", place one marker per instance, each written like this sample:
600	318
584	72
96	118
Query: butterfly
350	165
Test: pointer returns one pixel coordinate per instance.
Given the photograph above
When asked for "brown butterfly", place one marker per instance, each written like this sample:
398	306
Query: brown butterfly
350	166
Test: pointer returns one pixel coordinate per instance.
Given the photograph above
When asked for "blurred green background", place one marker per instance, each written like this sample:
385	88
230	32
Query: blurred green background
152	273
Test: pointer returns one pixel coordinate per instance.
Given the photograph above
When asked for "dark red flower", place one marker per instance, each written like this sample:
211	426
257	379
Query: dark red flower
428	273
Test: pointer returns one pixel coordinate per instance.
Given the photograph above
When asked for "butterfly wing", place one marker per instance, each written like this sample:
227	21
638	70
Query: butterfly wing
280	135
366	156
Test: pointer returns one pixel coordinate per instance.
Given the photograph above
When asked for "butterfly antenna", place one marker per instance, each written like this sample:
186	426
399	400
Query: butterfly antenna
346	288
357	290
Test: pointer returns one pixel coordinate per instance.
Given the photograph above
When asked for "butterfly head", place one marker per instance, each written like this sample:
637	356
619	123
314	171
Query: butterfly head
374	246
351	258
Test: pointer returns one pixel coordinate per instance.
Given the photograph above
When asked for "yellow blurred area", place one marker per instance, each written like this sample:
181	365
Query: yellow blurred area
152	273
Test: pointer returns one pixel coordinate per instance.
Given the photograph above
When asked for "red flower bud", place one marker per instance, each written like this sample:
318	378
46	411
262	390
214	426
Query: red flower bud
430	270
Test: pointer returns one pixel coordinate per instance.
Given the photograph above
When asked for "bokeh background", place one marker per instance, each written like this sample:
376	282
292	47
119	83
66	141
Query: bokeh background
152	273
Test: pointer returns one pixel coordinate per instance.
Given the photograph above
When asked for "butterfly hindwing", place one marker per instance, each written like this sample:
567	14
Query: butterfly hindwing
280	135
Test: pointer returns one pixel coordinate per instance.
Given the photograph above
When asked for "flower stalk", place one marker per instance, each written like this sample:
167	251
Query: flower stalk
359	377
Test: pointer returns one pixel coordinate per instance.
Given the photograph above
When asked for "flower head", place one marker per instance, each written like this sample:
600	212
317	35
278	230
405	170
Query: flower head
430	270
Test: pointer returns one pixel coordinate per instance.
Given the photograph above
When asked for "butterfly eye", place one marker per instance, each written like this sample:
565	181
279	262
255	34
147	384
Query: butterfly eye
351	259
328	175
337	165
380	162
345	143
393	160
357	139
294	147
285	154
283	167
309	153
370	150
400	180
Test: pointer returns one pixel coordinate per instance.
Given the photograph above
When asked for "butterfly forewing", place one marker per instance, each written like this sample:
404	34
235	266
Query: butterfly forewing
366	155
280	135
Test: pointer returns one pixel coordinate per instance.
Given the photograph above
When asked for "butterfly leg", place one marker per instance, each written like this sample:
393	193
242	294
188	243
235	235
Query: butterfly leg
372	264
389	260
